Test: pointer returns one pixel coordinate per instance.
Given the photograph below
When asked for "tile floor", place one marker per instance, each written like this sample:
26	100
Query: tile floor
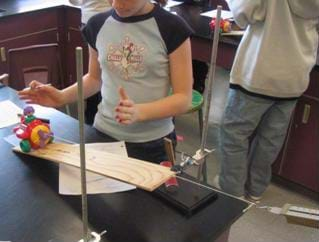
256	225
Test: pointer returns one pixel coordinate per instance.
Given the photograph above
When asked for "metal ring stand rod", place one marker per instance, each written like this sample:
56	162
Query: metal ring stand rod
79	76
202	153
211	79
93	236
200	156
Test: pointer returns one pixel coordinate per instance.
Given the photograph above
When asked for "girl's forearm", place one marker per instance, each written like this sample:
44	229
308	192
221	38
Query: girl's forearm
90	87
167	107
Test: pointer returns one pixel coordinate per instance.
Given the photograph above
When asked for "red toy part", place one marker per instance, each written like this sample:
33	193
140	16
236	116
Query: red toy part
22	133
33	132
225	25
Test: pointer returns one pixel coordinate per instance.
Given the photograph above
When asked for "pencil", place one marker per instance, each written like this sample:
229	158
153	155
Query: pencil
34	88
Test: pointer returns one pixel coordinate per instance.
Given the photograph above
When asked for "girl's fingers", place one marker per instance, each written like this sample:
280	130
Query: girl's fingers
31	102
123	116
122	109
125	109
122	93
27	96
24	91
34	84
27	91
24	97
125	122
126	103
124	119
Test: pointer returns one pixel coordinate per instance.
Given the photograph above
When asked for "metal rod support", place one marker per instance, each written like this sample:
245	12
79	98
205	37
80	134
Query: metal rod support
211	79
79	77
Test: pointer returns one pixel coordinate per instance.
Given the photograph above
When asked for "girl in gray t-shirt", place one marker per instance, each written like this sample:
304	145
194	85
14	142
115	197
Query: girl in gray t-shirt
138	52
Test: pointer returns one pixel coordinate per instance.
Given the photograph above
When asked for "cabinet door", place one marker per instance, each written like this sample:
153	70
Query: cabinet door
300	162
313	88
74	39
25	29
46	37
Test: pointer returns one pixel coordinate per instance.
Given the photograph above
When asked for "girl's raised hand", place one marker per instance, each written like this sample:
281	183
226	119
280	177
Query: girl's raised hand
42	94
126	112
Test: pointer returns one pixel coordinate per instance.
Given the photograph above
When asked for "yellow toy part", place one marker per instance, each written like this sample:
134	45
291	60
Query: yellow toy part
35	137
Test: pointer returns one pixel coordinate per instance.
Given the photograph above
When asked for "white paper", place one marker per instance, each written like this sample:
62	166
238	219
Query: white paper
9	113
70	177
13	140
234	33
171	3
213	13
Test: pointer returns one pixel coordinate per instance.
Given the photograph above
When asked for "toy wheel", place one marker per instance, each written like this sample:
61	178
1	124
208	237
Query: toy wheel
25	145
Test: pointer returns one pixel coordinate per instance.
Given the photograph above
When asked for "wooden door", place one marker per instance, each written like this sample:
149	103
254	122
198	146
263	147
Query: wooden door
74	39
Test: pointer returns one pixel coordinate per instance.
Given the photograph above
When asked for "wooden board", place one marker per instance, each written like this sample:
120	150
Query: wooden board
143	174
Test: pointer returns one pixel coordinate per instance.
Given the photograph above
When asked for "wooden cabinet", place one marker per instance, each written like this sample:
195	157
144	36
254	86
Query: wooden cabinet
60	25
73	40
313	88
299	158
16	31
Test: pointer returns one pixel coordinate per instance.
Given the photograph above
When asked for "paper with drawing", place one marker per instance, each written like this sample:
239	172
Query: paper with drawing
70	178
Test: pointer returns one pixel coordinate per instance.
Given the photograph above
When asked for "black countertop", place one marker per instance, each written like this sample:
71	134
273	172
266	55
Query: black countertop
200	24
33	211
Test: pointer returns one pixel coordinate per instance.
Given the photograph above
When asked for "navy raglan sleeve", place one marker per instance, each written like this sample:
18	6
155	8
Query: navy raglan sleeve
92	28
174	30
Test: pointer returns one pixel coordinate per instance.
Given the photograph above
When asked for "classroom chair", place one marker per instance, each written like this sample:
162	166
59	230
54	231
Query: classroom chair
197	104
35	62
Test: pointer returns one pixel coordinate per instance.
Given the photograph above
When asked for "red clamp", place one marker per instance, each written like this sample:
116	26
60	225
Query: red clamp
171	184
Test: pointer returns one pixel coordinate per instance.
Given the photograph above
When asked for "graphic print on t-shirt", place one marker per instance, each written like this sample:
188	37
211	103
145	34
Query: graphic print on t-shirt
126	58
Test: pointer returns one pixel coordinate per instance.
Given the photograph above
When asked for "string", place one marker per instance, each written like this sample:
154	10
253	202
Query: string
189	180
215	190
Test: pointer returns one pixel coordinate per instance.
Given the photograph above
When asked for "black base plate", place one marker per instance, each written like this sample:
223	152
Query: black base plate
188	198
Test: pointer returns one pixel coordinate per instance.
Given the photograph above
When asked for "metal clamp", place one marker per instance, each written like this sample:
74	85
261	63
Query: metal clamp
95	237
187	160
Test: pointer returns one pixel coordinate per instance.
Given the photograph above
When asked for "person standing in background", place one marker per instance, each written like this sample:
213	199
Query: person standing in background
91	7
270	72
88	9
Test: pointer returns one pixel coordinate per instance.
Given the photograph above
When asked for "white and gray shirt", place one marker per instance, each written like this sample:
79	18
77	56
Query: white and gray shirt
91	7
279	47
133	52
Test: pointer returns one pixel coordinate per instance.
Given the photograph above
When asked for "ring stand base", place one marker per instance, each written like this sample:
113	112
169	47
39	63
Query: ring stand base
188	198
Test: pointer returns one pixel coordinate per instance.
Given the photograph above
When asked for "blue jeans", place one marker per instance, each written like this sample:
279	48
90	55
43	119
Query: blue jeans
251	136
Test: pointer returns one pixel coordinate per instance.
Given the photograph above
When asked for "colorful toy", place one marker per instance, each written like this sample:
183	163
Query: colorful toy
225	25
33	132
